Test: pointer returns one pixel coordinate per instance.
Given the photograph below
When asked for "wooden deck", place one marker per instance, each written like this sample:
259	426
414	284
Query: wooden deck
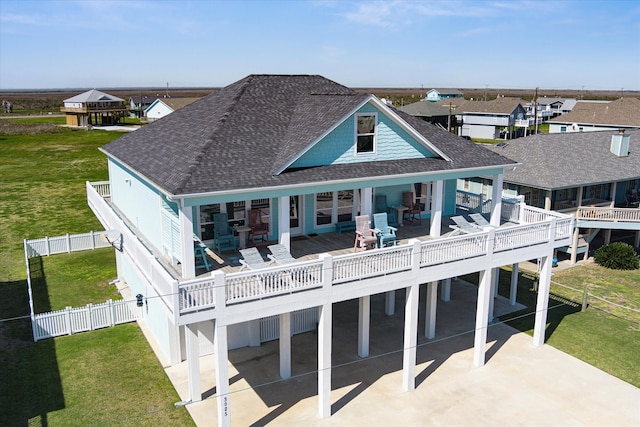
305	248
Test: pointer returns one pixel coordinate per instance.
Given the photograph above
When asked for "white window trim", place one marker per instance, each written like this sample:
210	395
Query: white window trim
355	134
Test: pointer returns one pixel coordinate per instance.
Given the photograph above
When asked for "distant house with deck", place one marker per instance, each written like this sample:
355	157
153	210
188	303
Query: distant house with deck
308	157
594	176
93	108
589	116
432	113
500	118
440	94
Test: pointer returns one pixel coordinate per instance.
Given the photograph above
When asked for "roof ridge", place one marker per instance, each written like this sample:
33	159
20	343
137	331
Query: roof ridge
209	139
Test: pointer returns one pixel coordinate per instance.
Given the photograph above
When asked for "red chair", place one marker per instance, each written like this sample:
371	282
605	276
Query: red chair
414	208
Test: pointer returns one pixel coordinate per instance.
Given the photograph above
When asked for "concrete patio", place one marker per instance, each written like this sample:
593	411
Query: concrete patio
519	385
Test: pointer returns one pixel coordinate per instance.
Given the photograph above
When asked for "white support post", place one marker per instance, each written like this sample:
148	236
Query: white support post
193	362
579	198
390	303
482	317
636	244
430	310
412	299
186	235
492	300
513	291
284	225
285	345
542	303
436	209
324	360
366	201
496	199
222	375
547	200
607	236
445	290
364	322
574	245
614	189
254	333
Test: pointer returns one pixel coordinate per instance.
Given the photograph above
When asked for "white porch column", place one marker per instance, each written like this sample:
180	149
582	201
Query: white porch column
547	200
496	199
430	312
284	226
607	236
285	345
324	361
579	198
542	303
390	303
513	291
482	318
445	290
614	188
185	215
411	323
436	208
193	362
222	375
364	322
366	201
492	300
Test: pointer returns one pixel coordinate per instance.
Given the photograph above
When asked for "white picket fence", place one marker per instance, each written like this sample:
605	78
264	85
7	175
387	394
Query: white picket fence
65	244
81	319
301	321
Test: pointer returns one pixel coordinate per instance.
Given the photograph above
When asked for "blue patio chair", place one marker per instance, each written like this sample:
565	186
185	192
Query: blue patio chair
223	233
386	233
380	206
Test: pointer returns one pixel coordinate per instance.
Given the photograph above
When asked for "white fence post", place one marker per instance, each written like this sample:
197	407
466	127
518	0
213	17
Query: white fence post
89	317
46	239
68	240
112	315
67	318
93	240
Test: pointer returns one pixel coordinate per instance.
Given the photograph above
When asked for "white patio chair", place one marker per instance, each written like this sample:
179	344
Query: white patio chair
464	226
280	254
480	220
252	259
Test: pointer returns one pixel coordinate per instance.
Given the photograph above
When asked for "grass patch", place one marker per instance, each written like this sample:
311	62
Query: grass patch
54	120
607	342
108	376
105	377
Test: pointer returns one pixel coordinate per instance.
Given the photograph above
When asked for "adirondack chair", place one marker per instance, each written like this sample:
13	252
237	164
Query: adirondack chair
223	233
386	233
414	209
464	226
381	206
252	259
199	251
366	238
259	229
280	254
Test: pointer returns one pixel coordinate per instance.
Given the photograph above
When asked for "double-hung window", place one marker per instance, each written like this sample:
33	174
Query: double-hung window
366	133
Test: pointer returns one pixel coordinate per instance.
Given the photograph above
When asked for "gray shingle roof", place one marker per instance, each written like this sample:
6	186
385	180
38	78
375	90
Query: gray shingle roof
237	137
425	109
561	160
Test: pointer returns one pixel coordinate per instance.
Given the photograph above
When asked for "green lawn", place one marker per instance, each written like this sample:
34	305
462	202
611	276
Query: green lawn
105	377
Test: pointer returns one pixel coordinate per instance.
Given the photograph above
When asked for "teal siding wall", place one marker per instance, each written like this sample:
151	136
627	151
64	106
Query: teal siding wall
139	202
392	143
154	313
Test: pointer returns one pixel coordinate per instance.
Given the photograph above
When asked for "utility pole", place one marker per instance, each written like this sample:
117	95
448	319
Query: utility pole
449	118
535	112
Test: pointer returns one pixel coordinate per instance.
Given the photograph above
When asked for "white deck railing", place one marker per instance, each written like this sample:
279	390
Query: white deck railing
537	227
608	214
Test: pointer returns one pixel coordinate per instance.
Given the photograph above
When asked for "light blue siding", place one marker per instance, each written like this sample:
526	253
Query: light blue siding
338	147
139	202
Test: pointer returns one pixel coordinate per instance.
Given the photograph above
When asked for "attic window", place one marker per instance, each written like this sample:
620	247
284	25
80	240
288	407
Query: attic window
366	133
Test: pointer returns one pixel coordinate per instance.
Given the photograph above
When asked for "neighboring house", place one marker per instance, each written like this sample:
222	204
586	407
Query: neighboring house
568	105
588	116
440	94
164	106
93	108
432	113
593	175
310	154
137	105
500	118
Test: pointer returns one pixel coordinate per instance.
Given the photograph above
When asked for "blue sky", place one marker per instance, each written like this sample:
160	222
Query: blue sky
500	44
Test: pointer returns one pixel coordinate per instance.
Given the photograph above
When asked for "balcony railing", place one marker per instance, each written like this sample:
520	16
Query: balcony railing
444	257
608	214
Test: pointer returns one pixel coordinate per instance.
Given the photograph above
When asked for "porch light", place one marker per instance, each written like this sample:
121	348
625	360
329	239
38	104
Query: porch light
139	302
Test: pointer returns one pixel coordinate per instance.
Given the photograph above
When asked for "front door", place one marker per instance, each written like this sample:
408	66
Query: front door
296	215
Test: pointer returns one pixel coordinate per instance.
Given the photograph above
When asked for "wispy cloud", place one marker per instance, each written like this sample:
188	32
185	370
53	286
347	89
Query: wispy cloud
21	19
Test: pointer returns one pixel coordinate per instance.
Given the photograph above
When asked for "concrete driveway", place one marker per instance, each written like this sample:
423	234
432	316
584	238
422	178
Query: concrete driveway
519	385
